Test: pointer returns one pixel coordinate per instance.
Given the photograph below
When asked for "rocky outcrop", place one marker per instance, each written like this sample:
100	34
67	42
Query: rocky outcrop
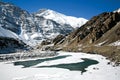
46	42
58	39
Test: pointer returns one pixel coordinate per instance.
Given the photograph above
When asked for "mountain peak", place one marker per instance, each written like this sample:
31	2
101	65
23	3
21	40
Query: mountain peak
47	12
42	10
118	10
61	18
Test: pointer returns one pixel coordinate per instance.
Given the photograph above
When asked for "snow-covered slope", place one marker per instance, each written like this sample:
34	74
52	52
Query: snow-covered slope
50	28
14	20
61	18
7	33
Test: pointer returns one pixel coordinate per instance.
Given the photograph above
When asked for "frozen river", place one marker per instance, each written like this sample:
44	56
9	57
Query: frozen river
65	66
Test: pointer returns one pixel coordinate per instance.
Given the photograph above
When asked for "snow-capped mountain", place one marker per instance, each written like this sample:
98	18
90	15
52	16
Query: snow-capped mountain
15	20
33	28
118	10
61	18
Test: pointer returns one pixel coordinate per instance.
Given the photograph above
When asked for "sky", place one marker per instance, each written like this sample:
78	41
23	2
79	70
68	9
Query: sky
78	8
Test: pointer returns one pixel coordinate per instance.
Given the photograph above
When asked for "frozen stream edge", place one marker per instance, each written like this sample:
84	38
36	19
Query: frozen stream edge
27	55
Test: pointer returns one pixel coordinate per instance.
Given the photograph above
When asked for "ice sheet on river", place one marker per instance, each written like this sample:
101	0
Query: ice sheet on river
100	71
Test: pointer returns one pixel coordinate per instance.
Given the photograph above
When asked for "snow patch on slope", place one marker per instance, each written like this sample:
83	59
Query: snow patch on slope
7	33
117	43
118	10
100	44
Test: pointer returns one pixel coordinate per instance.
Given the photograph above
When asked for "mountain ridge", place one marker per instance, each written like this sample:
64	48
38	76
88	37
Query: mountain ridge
31	28
61	18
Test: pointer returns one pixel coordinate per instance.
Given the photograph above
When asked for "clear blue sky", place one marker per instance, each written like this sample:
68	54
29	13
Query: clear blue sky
77	8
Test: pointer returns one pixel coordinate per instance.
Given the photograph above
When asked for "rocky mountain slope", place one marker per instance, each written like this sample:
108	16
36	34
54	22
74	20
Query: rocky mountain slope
9	42
33	28
100	35
11	45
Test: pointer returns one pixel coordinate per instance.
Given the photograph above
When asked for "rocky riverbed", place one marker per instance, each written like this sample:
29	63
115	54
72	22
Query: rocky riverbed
26	55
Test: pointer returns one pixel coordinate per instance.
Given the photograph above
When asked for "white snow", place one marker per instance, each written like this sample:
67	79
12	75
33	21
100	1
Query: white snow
118	10
99	44
35	35
117	43
7	33
105	72
63	19
26	36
